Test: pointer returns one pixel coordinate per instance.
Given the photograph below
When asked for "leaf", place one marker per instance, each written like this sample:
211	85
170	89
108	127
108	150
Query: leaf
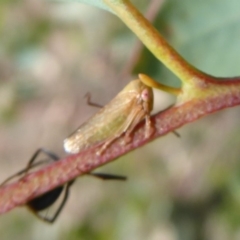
205	32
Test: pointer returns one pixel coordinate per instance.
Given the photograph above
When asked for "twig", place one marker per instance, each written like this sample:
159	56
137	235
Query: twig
58	173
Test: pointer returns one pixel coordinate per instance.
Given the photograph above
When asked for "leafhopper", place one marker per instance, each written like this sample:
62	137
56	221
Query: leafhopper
120	116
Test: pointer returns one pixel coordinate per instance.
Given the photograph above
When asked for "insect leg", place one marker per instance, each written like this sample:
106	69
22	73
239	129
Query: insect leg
137	117
90	103
106	176
58	211
31	164
53	156
47	152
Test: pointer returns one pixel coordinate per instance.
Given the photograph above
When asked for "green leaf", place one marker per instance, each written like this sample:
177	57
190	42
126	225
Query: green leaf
205	32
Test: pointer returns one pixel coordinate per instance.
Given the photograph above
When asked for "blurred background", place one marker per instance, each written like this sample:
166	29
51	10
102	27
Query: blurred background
53	53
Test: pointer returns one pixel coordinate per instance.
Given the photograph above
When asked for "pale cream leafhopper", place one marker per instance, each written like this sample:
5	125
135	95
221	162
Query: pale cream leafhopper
120	116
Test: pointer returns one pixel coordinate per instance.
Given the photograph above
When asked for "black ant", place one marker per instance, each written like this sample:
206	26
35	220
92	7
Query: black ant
44	201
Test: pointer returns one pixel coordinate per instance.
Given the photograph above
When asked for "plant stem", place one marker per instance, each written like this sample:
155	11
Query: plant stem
60	172
154	84
154	41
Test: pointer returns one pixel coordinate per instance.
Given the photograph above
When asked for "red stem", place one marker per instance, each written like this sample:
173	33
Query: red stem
58	173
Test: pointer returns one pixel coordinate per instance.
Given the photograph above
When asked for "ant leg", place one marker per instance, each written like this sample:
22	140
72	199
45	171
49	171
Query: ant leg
106	176
58	211
31	164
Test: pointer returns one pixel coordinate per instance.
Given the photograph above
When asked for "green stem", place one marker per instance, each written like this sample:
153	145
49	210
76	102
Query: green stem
154	41
154	84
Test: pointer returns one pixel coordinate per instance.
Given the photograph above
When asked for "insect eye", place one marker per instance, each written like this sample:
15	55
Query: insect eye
145	95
